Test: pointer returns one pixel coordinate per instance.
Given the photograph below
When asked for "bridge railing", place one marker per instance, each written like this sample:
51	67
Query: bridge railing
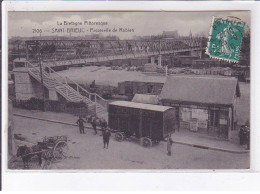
91	96
58	79
82	91
102	102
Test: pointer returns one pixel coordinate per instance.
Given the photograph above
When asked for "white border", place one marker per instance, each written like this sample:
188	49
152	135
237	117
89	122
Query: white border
132	180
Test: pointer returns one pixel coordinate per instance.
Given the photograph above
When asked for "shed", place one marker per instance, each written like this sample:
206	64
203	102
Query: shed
204	104
19	62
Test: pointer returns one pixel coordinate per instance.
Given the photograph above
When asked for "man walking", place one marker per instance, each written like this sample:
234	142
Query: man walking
106	137
103	124
94	124
169	145
242	135
80	122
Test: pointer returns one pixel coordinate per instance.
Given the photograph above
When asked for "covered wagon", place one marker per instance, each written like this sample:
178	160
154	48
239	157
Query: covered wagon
149	123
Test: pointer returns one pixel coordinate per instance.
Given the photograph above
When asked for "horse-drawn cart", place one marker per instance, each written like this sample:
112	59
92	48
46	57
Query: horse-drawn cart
58	146
149	123
51	149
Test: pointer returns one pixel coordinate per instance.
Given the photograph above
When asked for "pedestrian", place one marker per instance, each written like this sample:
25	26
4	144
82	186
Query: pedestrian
80	122
242	135
106	137
247	124
94	124
103	123
169	145
93	121
247	137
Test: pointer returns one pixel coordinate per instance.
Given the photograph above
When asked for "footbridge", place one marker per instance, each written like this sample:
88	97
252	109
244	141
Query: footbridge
74	52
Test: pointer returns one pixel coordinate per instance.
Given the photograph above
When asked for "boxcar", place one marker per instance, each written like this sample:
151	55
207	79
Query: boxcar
149	123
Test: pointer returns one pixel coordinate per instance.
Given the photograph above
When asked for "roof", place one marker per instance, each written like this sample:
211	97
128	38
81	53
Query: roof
146	98
141	106
208	90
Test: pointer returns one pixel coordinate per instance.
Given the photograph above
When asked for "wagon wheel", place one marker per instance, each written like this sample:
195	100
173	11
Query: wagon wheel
60	150
155	142
119	136
146	142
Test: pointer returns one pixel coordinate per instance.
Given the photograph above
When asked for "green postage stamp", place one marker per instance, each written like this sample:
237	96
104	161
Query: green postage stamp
225	39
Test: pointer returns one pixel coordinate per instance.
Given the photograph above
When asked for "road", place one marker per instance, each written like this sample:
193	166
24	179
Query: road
87	150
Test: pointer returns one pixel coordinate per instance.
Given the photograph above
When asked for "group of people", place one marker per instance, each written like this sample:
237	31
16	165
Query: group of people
244	135
95	121
106	133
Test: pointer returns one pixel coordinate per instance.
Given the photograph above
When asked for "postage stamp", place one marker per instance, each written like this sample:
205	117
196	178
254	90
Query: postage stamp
225	38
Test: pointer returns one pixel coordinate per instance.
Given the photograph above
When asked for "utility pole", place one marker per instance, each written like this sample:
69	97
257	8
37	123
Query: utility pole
41	74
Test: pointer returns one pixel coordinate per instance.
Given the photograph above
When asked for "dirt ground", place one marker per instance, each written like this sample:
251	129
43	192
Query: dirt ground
88	153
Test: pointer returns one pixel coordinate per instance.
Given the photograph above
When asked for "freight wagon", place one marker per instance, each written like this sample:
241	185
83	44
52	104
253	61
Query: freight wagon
149	123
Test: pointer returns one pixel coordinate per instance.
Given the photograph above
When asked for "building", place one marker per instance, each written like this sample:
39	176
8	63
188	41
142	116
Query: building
130	88
146	99
203	104
207	63
187	60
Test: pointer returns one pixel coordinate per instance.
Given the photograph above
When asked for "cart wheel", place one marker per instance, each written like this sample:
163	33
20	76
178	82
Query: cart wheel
155	142
60	150
146	142
119	136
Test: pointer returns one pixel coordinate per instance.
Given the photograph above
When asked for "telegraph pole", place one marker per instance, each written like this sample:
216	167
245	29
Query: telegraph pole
41	74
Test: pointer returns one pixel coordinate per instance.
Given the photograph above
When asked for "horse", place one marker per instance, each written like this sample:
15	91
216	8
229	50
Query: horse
26	153
39	150
95	121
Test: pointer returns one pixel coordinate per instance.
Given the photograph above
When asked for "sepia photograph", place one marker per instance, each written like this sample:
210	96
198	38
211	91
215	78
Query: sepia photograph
103	90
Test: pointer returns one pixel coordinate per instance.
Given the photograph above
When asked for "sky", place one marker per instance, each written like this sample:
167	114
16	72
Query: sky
143	23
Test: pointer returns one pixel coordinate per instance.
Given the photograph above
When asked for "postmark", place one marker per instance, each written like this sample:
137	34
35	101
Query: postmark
225	38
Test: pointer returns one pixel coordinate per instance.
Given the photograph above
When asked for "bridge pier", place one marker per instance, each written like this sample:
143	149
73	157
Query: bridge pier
25	88
160	60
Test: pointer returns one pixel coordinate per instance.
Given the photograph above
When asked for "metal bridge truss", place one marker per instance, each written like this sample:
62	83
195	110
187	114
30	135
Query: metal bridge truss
69	52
